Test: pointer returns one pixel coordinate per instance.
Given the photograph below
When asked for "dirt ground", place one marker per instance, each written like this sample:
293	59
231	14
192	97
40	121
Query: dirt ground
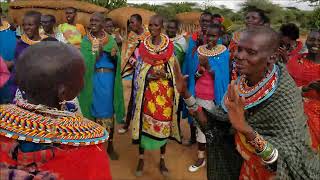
178	157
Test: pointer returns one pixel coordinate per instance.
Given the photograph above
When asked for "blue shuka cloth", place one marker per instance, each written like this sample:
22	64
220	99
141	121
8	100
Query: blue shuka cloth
103	87
220	68
7	51
7	44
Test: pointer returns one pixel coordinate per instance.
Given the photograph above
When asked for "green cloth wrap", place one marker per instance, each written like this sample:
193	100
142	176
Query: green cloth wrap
148	143
85	97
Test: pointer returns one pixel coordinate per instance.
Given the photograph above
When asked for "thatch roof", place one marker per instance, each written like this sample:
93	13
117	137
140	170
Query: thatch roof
17	9
189	17
121	15
58	5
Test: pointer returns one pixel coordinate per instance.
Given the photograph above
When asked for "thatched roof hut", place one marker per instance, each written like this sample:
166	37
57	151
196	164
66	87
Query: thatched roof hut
121	15
54	7
189	21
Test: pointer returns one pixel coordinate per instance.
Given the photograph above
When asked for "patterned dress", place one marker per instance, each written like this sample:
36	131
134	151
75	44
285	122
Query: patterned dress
154	116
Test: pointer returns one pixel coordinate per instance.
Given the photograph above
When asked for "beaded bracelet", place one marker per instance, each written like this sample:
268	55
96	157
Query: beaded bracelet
191	103
267	152
258	143
264	149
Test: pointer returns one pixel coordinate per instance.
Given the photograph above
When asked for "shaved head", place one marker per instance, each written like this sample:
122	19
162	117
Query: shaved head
42	69
270	37
99	15
157	18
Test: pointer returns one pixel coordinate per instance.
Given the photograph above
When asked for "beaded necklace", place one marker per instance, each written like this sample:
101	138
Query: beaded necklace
42	124
215	51
5	26
156	48
28	41
258	93
97	42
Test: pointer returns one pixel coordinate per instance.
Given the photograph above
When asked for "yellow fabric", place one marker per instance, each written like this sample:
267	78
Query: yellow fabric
70	33
141	79
81	29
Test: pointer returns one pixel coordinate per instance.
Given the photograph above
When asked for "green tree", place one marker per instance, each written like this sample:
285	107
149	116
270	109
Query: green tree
314	21
109	4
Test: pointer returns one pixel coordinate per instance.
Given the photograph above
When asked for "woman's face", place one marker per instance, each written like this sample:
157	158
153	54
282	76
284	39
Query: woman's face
47	23
213	36
172	29
30	26
96	24
205	21
313	42
109	27
134	24
70	15
253	19
252	55
155	27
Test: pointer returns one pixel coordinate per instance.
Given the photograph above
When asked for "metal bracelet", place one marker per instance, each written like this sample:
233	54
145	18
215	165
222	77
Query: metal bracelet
273	159
191	101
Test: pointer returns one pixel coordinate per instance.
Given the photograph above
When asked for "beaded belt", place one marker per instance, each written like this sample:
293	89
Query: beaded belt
103	70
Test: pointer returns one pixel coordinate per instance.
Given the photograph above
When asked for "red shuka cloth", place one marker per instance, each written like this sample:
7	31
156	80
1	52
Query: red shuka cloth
67	163
304	72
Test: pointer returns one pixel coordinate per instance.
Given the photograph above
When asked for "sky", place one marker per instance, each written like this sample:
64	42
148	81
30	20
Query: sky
232	4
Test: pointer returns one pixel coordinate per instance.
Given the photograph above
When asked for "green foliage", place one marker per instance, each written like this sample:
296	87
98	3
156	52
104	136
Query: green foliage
4	6
109	4
314	21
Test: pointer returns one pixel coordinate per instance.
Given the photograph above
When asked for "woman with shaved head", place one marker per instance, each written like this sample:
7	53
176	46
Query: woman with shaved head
156	99
102	95
263	111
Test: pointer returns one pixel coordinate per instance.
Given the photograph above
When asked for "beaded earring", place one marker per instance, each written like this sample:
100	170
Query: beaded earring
63	105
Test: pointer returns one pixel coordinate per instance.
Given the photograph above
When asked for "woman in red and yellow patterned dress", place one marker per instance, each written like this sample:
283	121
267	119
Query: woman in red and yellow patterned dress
154	116
305	70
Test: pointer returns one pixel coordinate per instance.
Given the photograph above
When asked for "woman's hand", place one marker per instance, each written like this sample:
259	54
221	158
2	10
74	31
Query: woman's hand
113	52
203	60
160	74
235	105
283	54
